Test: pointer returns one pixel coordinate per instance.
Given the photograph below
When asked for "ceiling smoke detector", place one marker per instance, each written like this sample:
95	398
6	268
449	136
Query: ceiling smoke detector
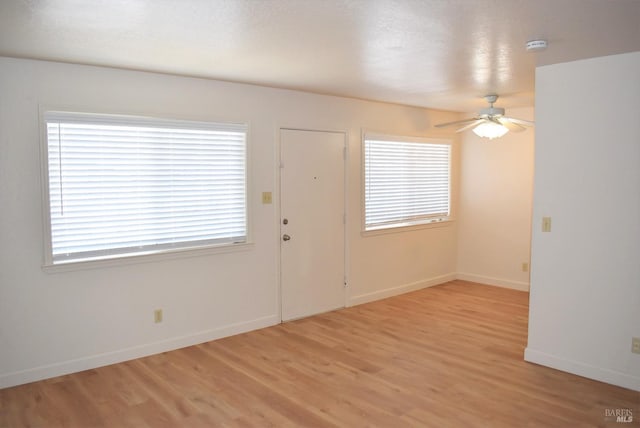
536	45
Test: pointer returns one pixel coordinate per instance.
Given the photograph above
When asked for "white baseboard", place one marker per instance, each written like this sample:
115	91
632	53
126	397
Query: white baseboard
94	361
401	289
505	283
581	369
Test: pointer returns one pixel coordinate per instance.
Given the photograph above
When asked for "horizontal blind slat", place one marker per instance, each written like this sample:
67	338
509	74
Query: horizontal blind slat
405	181
123	184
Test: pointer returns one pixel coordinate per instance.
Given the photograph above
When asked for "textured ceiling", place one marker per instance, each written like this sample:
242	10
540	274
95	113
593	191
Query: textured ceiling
442	54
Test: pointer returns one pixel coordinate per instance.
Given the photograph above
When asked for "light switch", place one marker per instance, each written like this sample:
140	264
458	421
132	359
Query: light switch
546	224
266	197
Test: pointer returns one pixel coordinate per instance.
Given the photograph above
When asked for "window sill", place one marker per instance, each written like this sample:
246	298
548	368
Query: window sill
407	228
129	259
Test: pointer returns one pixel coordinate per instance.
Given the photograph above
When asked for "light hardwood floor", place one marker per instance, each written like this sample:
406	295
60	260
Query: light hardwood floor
446	356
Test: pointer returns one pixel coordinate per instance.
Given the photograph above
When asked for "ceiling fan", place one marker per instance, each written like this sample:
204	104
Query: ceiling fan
490	122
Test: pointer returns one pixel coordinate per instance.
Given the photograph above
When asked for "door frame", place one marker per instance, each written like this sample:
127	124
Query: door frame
278	162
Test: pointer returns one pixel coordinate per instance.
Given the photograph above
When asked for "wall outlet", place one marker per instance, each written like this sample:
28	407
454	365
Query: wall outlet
635	345
157	316
525	267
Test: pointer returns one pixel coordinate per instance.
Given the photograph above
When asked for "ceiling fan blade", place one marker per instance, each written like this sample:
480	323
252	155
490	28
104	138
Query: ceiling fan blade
471	125
520	121
457	122
511	126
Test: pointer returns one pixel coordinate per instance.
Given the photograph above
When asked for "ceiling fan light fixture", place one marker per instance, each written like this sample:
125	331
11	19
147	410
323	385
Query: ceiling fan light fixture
490	122
490	130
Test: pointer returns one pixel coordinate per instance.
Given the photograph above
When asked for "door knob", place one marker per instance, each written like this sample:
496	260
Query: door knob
285	221
285	237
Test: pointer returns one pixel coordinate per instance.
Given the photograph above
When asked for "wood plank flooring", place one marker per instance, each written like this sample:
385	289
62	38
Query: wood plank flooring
446	356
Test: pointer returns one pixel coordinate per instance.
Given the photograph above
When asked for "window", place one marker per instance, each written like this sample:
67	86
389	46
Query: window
406	181
122	185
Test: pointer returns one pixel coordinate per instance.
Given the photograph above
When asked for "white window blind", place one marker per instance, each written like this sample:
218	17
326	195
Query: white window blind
126	185
405	182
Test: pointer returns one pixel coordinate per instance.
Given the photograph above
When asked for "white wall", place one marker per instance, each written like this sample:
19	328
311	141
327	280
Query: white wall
494	216
585	277
54	323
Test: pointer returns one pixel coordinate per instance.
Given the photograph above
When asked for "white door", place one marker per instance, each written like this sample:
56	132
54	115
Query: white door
312	222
